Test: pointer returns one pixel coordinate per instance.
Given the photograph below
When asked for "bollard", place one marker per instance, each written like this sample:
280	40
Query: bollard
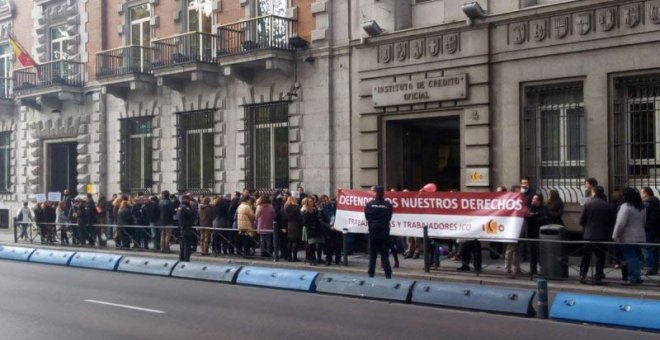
344	246
542	302
15	232
427	264
276	243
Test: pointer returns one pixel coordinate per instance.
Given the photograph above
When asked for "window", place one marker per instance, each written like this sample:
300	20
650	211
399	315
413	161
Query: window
140	17
59	42
195	147
200	16
267	146
5	159
554	138
635	139
5	71
136	154
271	7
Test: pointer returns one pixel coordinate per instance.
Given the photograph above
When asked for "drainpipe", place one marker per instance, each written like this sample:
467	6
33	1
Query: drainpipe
331	105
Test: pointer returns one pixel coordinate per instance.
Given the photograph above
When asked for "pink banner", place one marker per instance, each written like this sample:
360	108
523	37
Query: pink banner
496	216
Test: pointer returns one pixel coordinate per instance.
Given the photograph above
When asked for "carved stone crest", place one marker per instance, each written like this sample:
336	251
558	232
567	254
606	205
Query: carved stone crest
450	43
385	53
417	48
401	50
607	18
433	46
540	30
654	12
632	14
560	26
518	32
582	23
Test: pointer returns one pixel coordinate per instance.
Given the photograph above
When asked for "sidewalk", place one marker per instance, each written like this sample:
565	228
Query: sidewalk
492	272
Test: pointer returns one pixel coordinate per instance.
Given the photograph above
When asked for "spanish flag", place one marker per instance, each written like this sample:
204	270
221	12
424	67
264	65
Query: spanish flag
20	52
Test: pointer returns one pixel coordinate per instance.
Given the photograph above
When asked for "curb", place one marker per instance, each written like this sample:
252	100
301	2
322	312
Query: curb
481	280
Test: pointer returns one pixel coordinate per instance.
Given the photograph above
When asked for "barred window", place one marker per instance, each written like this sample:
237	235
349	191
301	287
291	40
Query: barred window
267	146
554	139
5	159
636	123
195	147
137	154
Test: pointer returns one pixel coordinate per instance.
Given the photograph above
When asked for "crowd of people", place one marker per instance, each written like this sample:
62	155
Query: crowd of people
238	223
232	224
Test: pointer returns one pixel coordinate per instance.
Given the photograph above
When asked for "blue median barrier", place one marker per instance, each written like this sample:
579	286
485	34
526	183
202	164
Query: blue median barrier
49	256
95	261
290	279
474	297
206	272
146	265
16	253
365	287
607	310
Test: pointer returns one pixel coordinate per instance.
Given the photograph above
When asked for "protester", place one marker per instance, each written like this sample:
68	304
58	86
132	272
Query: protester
39	219
74	213
61	219
152	215
313	221
124	218
596	222
186	222
265	215
206	216
333	237
25	217
378	213
245	224
50	216
555	208
537	216
221	221
652	205
87	221
589	184
166	220
629	228
293	218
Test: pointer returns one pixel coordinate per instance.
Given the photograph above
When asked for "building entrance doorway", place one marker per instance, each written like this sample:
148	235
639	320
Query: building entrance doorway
421	151
62	170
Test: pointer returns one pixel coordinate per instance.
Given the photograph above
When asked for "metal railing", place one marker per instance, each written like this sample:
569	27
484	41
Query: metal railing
124	60
193	47
6	88
266	32
54	73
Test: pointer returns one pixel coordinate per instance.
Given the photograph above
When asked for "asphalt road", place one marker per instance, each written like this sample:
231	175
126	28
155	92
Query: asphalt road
52	302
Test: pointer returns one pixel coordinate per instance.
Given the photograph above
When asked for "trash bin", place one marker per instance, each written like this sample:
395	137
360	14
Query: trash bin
553	255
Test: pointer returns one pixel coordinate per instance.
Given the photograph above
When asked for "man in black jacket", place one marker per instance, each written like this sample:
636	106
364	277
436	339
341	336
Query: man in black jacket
378	213
537	216
167	211
186	222
596	222
652	205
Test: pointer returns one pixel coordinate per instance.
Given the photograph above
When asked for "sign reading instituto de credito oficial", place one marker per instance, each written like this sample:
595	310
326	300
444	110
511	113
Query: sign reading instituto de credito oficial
421	91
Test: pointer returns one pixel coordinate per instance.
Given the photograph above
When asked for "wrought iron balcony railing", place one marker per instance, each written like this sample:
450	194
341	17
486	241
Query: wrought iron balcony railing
124	60
193	47
267	32
54	73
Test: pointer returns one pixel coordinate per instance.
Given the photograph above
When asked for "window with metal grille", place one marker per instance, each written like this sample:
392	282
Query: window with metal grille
554	139
5	159
195	151
137	155
267	146
636	132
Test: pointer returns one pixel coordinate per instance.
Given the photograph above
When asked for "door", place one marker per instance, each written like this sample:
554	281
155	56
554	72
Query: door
62	167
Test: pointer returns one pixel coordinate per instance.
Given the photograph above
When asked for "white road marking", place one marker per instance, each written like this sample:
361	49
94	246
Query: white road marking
126	306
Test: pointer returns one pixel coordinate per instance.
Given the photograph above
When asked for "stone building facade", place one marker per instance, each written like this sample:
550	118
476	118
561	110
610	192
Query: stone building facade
149	95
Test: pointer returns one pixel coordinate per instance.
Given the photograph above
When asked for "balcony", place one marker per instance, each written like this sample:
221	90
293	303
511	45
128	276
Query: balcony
258	43
50	83
186	57
125	69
